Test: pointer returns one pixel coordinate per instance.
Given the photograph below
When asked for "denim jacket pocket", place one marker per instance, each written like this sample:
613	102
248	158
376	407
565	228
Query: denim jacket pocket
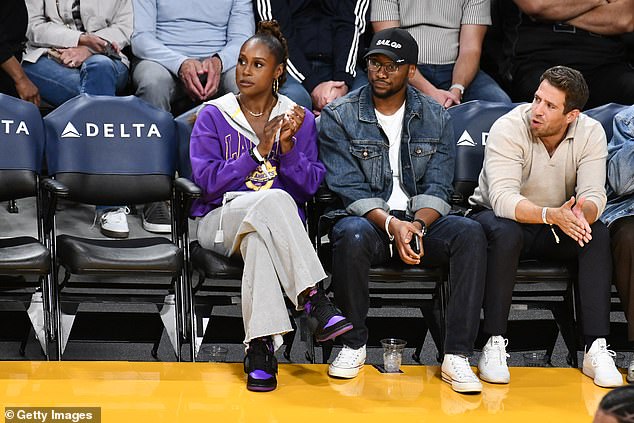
420	151
370	158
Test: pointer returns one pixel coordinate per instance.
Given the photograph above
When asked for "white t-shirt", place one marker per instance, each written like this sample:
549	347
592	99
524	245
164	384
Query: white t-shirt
392	125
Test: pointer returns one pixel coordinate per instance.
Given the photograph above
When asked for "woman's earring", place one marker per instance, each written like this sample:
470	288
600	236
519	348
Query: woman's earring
276	86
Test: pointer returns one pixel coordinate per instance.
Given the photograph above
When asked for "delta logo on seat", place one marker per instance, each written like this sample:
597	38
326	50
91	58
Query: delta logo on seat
112	130
12	127
466	140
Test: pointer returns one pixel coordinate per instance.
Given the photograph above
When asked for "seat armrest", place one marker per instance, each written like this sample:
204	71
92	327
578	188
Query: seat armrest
188	188
324	195
55	187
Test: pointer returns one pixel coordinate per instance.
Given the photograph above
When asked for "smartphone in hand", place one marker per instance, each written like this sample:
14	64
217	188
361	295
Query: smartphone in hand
415	243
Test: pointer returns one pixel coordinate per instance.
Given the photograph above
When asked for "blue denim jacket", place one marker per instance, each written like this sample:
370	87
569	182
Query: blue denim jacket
620	186
355	151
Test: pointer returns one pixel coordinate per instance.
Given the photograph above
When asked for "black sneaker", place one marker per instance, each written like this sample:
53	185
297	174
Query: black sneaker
330	322
260	365
156	218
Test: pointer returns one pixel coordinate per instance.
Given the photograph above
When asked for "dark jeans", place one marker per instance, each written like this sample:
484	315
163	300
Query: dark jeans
509	241
622	239
613	82
460	243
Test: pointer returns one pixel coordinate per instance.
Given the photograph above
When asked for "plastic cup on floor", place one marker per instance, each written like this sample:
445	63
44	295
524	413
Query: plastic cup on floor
392	354
215	353
535	359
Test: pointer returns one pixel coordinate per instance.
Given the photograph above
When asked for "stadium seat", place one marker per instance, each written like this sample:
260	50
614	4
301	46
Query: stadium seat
605	115
23	257
119	150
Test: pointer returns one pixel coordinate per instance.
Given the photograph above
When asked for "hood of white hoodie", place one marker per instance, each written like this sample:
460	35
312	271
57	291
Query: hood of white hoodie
230	109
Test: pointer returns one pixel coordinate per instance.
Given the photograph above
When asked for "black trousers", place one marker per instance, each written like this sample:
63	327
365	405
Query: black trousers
452	241
508	241
622	240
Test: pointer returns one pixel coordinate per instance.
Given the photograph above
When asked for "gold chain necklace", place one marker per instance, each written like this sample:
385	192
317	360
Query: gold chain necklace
250	112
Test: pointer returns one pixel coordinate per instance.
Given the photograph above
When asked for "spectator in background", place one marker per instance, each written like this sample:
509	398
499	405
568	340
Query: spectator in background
540	194
75	47
255	157
13	24
583	34
187	52
187	49
449	35
389	153
619	215
324	40
617	406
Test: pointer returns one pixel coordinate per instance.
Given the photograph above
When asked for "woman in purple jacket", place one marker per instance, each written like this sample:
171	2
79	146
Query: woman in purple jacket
255	156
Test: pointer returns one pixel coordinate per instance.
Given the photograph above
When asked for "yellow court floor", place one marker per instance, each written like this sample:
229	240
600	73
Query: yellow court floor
215	392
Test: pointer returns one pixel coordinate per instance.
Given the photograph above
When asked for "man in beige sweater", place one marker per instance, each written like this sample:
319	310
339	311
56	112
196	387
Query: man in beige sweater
540	194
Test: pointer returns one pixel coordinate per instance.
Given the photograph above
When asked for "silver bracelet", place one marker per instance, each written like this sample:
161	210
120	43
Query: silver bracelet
387	226
544	210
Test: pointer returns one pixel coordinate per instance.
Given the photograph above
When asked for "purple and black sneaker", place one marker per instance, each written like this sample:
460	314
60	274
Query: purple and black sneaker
260	365
330	323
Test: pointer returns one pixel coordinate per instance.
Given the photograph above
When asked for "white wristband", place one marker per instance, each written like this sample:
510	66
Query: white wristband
544	210
460	88
387	226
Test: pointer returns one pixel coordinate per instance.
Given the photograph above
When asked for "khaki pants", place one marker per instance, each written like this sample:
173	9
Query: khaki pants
278	257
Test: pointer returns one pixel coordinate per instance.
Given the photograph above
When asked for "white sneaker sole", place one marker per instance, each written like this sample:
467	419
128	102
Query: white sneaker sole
503	380
157	227
114	234
462	387
589	371
347	373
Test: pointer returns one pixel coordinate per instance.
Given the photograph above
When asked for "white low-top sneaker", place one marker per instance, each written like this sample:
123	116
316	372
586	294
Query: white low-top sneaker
348	363
114	223
630	372
599	365
456	371
492	365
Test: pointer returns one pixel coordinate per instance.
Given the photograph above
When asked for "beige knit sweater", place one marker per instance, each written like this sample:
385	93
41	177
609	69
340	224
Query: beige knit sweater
517	165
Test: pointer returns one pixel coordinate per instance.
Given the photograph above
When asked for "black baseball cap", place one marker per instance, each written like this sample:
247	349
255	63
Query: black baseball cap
395	43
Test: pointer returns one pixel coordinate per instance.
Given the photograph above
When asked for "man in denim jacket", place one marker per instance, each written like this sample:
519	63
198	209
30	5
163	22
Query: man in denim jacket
389	154
619	214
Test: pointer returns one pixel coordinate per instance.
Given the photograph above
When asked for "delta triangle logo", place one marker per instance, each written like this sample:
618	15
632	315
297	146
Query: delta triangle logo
466	140
70	131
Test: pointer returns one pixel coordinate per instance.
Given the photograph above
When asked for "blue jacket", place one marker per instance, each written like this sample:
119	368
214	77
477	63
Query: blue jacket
355	151
620	186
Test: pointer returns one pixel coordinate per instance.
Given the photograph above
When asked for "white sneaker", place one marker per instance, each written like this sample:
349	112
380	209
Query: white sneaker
630	372
348	363
456	371
492	366
599	365
114	223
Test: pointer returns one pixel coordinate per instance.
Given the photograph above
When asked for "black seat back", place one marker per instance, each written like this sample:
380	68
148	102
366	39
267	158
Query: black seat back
605	114
472	122
21	148
112	150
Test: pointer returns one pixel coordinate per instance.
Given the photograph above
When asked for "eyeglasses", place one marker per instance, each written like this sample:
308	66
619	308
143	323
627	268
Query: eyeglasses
375	66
